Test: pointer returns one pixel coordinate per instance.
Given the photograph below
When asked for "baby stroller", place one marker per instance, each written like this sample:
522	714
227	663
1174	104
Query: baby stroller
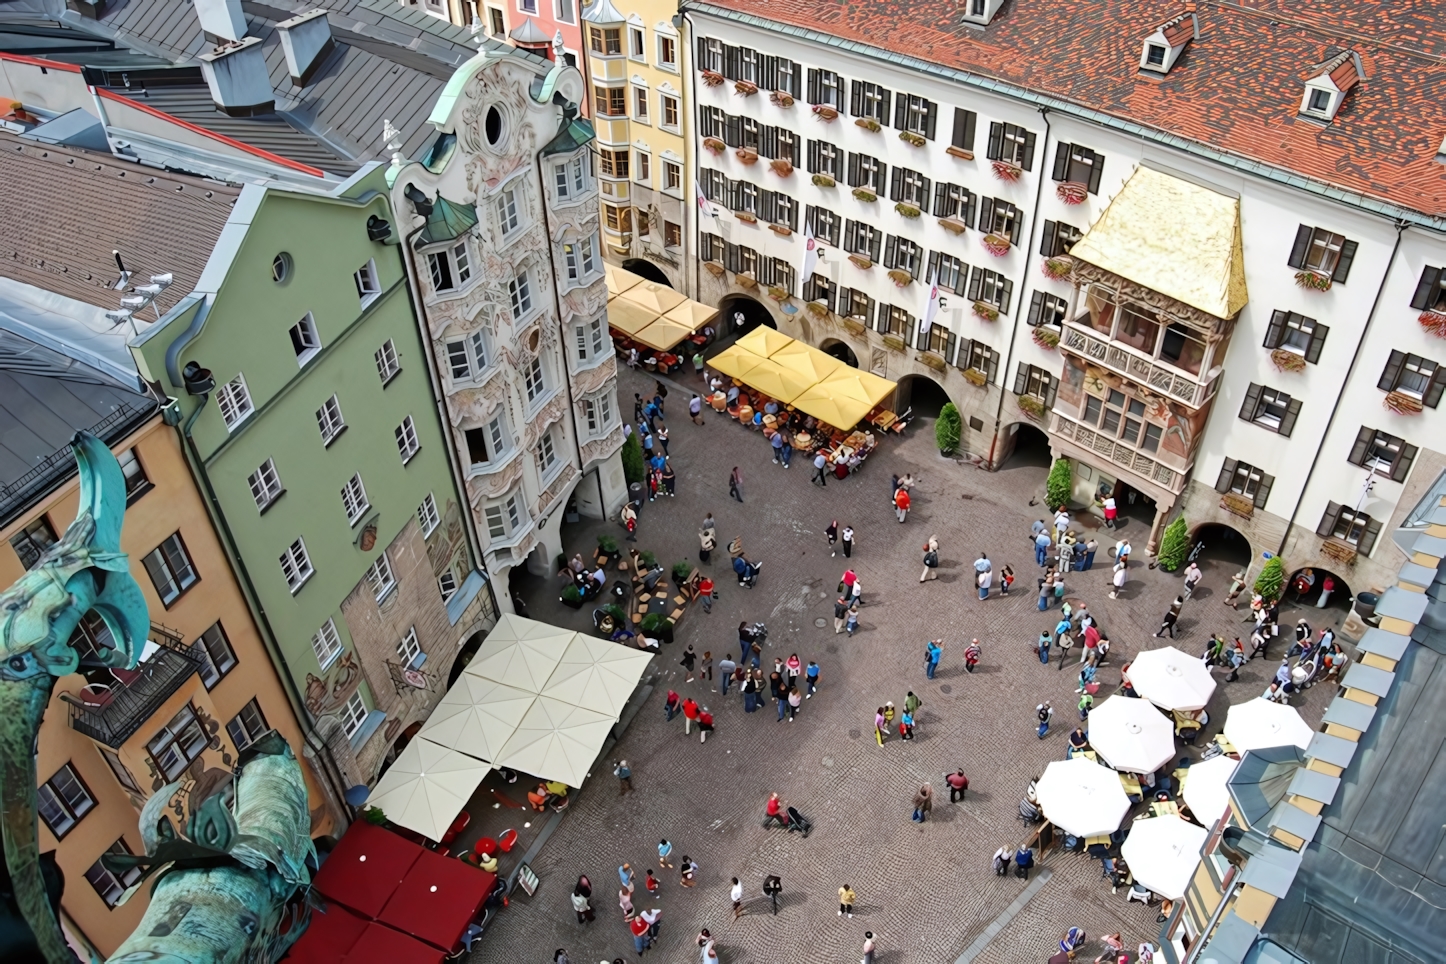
797	822
746	571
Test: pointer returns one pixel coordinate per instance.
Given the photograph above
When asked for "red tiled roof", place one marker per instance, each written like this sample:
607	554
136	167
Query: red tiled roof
1237	88
1342	71
1179	30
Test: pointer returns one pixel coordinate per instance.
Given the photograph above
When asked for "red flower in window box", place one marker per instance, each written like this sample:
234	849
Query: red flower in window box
712	78
824	112
746	88
1006	171
781	166
781	98
747	155
1072	192
1056	268
1434	322
1287	361
1402	404
715	144
900	277
996	244
985	311
1313	280
1044	338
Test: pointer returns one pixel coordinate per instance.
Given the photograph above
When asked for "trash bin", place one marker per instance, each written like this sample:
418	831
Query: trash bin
1366	604
638	495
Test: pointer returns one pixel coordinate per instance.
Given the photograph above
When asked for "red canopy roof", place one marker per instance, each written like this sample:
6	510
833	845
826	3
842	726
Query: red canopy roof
328	937
380	944
366	867
437	900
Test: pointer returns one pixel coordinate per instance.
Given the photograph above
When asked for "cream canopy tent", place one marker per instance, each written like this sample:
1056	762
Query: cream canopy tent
557	741
653	296
597	675
650	313
427	787
476	716
1163	852
1131	735
620	280
1206	793
1257	724
1081	797
764	341
1172	680
520	653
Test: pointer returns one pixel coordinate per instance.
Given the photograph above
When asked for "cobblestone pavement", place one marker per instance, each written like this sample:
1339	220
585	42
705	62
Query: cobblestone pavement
925	891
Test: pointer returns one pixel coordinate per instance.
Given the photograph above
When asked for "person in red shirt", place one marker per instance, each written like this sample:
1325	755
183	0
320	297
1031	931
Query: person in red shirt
958	784
639	927
705	593
901	503
775	811
705	724
690	715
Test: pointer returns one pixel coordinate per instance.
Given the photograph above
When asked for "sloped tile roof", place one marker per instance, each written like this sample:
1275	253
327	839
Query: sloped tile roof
1237	88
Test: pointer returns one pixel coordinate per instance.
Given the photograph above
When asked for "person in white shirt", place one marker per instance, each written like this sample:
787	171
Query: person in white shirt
737	895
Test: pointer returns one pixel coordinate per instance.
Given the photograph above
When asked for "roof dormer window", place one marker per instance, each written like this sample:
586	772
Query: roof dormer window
1326	91
1164	46
980	12
1155	55
1319	101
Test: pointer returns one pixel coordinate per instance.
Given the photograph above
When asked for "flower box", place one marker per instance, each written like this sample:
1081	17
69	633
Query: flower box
975	377
896	343
1071	192
746	88
854	327
1057	268
1045	338
824	112
996	244
782	230
747	217
780	98
715	269
985	311
1434	322
1287	361
900	277
861	262
909	137
1237	504
934	361
779	294
712	78
1341	552
715	144
823	180
868	124
1402	404
907	210
1006	171
953	225
781	166
819	309
959	152
745	279
865	195
747	155
1313	280
1032	407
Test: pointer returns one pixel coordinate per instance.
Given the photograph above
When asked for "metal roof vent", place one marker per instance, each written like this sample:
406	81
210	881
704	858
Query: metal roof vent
306	41
221	20
236	74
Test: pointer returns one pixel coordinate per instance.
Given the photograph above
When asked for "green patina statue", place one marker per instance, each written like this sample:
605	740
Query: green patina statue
221	892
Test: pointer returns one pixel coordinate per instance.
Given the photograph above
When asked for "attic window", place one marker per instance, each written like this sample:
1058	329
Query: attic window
1320	102
1155	55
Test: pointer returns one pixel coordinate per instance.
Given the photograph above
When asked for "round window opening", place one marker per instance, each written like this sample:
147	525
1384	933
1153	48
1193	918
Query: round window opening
532	341
281	268
494	125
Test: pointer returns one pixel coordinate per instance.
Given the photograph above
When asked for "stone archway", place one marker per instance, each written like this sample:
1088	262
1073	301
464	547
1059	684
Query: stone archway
1023	445
1304	588
921	393
646	269
464	656
1221	543
753	312
837	349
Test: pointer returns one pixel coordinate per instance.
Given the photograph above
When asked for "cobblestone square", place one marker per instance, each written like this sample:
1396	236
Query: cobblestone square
926	891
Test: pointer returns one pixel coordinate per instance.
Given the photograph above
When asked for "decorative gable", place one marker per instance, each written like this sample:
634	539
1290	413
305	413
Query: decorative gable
1163	47
1326	90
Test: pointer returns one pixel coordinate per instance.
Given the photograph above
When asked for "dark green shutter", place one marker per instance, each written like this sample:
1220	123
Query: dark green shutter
1402	468
1343	266
856	98
813	85
986	214
974	278
1328	520
1006	297
991	362
1028	162
951	341
973	202
1367	542
1301	247
1036	306
963	135
1428	289
1362	444
941	195
1392	371
1047	239
1287	423
1276	330
932	274
901	111
1021	378
1061	161
1432	396
1252	402
931	119
996	141
1262	491
1018	225
1317	339
1053	390
1227	475
1096	169
855	176
896	185
891	250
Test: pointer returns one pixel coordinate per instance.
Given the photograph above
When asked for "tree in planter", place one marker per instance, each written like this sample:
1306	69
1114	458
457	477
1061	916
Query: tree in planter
374	816
1174	545
657	626
1271	580
681	571
608	545
634	468
649	561
1060	484
571	596
948	429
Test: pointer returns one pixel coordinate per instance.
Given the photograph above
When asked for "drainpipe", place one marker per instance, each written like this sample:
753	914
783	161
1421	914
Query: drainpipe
685	78
1014	331
1204	939
1401	227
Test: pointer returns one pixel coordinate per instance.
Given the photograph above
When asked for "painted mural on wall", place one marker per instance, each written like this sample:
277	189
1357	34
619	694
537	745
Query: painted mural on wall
328	693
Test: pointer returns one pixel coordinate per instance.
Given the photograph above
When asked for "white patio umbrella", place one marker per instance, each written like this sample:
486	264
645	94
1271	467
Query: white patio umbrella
427	787
597	674
520	652
476	716
1205	791
1172	680
556	741
1131	734
1081	797
1259	723
1163	853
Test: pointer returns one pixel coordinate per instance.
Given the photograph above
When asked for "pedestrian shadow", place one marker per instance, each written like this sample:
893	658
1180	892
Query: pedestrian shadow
987	670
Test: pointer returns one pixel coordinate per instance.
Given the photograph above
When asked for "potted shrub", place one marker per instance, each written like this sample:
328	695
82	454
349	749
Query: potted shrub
948	429
868	124
681	571
1174	545
1056	268
996	244
907	210
824	112
900	277
778	294
1434	323
909	137
747	155
1271	580
975	377
612	619
823	180
861	262
1059	484
1313	280
1402	404
745	88
1044	338
374	816
715	144
986	312
634	468
781	166
1031	407
1287	361
607	547
657	626
1071	192
1006	171
865	195
819	309
712	78
571	597
781	98
648	559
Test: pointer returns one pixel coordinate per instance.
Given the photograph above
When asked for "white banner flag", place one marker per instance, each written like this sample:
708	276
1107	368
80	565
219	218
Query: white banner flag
704	207
810	254
931	309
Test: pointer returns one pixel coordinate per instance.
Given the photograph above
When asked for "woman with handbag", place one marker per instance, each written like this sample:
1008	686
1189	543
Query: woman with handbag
931	559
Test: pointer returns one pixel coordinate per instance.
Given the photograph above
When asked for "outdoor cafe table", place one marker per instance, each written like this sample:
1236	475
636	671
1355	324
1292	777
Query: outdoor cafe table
438	899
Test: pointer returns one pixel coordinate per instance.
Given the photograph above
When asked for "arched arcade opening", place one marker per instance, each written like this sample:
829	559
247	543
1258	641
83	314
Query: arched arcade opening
646	269
921	393
837	349
741	314
1317	588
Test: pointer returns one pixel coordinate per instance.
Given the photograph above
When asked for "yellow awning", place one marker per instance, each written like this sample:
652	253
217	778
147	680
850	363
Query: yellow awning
694	314
860	386
629	317
836	410
807	361
620	280
764	341
652	296
663	334
1174	237
735	362
777	382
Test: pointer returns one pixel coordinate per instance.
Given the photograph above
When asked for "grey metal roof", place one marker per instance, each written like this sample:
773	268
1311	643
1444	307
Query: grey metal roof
1272	869
1402	604
1417	575
1369	679
1384	644
1314	785
1294	820
1349	713
1233	939
1261	779
1331	749
1430	545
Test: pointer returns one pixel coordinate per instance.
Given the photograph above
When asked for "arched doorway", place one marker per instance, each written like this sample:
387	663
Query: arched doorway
1304	588
1220	551
921	393
753	315
646	269
837	349
464	656
1023	445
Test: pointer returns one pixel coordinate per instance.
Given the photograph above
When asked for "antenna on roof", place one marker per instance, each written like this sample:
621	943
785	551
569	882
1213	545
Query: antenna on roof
125	276
143	296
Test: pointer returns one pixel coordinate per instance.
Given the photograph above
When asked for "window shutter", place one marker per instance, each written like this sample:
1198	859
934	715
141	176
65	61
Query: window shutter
1276	330
733	130
891	250
1004	298
1432	396
1262	491
1402	468
951	341
732	62
932	274
1328	521
896	185
973	202
813	85
986	214
1227	475
1392	371
856	98
1367	542
795	82
875	239
1096	169
1016	226
1363	442
730	256
767	72
1317	339
901	111
974	279
1028	162
941	193
1053	390
884	104
854	176
1021	378
878	182
921	337
1047	239
812	156
1301	246
702	51
991	363
1036	305
931	119
1343	266
924	183
1252	402
1061	161
851	231
996	140
963	135
1287	423
1425	297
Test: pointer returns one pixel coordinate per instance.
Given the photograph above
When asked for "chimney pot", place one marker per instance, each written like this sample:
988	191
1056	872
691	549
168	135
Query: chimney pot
237	76
306	41
221	20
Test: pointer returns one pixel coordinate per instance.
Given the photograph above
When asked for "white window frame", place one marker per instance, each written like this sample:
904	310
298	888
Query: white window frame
354	499
354	714
388	364
408	649
581	259
566	11
590	339
509	212
407	444
668	104
672	177
598	413
519	293
447	585
504	518
547	459
381	577
305	340
326	644
467	356
534	382
642	166
637	43
450	268
266	485
427	516
330	422
368	285
664	62
234	401
296	567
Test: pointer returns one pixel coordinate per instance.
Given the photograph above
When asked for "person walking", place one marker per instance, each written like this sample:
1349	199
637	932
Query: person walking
795	701
1063	641
695	409
1090	548
1086	703
931	559
846	541
1042	543
901	503
772	887
735	484
690	715
705	668
923	803
1045	642
984	580
906	725
662	439
1066	555
972	652
582	906
846	900
671	706
650	883
933	652
851	624
856	594
624	774
706	593
1167	624
1003	857
831	531
1006	579
779	693
630	521
786	453
726	668
810	679
881	726
705	724
688	873
1111	511
777	444
1193	575
1118	580
625	901
1044	713
736	895
1046	589
774	812
665	849
1327	586
1235	656
670	479
1237	586
958	785
820	469
868	957
689	657
840	613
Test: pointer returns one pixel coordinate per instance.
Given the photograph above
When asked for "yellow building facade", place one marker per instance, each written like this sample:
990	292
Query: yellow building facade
637	69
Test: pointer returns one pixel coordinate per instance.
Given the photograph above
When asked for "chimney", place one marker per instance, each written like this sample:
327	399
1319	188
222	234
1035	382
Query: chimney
221	20
306	40
236	74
